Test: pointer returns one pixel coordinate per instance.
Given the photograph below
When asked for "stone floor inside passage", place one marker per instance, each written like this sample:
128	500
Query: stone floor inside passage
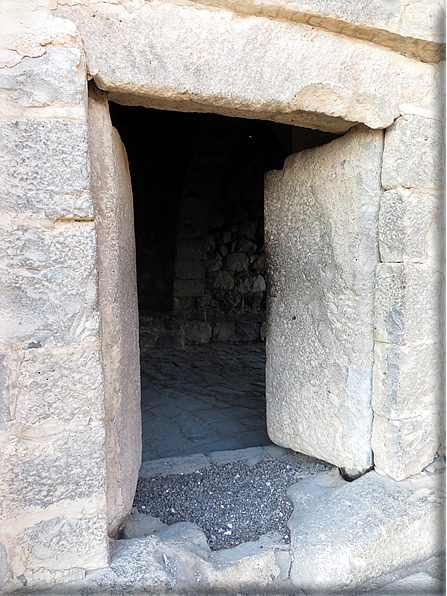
203	399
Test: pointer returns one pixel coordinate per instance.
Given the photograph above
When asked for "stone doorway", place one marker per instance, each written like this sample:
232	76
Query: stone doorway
198	189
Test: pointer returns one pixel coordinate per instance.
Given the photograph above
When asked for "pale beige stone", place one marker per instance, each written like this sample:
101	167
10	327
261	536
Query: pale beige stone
414	152
112	196
410	227
44	169
325	81
321	228
407	382
404	447
407	303
346	533
49	286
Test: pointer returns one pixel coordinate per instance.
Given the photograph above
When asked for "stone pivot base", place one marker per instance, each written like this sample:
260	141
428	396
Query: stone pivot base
347	538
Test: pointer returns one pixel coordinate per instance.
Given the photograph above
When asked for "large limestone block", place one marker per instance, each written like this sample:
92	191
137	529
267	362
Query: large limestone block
61	384
345	534
58	546
407	381
410	227
413	155
49	284
405	28
44	169
407	303
112	196
49	79
403	447
180	57
47	463
321	228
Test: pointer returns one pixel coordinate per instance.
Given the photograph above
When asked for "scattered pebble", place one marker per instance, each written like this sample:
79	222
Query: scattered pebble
248	500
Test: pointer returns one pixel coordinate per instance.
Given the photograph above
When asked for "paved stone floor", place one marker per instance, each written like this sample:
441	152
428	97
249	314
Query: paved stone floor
203	399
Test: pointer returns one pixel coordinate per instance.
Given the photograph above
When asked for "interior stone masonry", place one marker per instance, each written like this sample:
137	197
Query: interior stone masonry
338	267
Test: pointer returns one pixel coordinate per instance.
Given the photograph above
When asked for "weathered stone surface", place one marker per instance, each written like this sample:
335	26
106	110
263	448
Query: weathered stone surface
313	88
247	330
321	226
224	457
407	381
54	544
403	447
224	331
419	584
190	269
410	227
112	197
140	524
44	168
174	465
223	281
188	287
343	534
186	534
50	462
59	384
403	27
407	303
197	332
191	249
422	142
49	295
52	78
237	261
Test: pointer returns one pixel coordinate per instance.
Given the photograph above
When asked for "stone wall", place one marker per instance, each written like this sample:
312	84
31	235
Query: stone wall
325	65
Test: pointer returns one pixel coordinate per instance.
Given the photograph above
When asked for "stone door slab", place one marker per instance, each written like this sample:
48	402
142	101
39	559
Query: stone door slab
321	215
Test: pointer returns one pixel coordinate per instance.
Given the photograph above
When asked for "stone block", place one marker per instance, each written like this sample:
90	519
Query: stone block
188	287
191	249
407	381
63	384
44	168
321	216
346	533
410	227
263	331
224	331
140	524
197	332
49	280
54	544
170	340
47	463
214	262
313	90
247	331
407	303
48	79
421	141
190	269
223	280
237	261
404	447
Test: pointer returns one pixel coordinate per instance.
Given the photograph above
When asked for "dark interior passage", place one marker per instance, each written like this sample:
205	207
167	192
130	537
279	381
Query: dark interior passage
197	182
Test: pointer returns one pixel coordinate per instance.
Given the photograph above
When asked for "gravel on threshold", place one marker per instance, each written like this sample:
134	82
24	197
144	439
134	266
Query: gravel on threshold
232	503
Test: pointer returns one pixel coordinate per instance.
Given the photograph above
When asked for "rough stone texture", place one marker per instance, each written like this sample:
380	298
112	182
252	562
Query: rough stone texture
410	227
419	584
112	196
406	303
43	168
174	465
141	524
58	384
321	226
326	81
403	446
404	27
72	454
50	287
52	78
421	141
344	534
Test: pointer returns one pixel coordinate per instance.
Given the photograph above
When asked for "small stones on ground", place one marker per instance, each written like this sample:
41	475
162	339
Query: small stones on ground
233	502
